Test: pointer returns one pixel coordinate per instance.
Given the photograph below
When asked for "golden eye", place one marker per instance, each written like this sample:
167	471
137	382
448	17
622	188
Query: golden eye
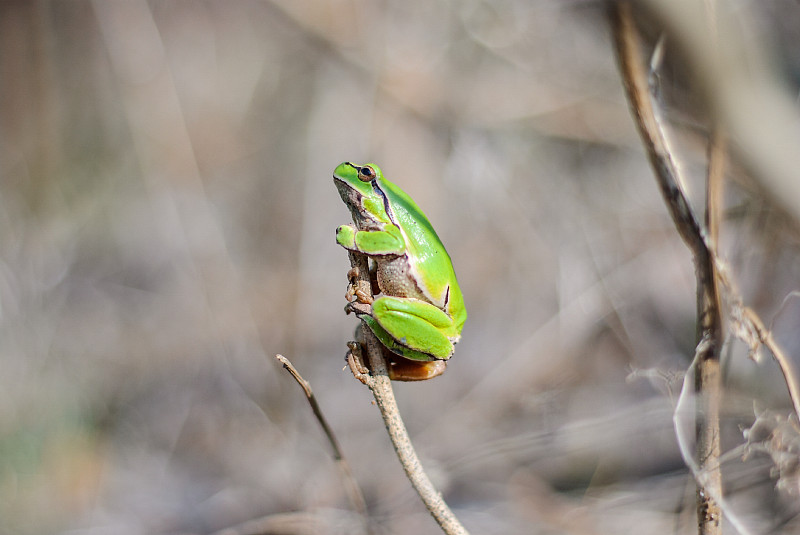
366	173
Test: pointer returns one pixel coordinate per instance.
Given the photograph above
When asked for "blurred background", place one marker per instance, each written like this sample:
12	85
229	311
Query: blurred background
167	220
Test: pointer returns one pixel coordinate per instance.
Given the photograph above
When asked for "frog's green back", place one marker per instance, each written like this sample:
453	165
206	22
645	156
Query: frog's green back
424	245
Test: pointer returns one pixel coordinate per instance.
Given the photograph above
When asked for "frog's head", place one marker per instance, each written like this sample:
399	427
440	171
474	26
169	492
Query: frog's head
360	191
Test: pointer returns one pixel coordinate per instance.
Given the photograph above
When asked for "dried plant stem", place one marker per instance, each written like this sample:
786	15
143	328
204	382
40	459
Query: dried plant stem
708	377
353	490
377	379
707	373
785	363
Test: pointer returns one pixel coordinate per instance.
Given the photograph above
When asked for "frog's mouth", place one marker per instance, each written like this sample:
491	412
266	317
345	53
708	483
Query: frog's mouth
348	193
352	198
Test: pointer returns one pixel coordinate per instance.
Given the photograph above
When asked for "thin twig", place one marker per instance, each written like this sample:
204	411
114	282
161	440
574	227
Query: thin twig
717	159
707	373
708	378
741	84
635	79
377	379
353	490
751	329
784	362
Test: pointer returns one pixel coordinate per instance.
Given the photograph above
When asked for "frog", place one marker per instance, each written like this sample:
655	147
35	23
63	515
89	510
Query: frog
418	312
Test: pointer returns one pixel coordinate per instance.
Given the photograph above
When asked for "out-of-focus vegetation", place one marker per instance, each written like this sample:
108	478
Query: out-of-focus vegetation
167	223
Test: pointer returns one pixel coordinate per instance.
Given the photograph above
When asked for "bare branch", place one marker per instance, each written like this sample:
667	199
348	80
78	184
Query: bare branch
377	379
353	490
784	362
707	379
742	86
635	79
751	329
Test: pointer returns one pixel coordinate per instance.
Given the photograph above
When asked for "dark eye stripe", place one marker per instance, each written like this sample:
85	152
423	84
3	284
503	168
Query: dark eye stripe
386	206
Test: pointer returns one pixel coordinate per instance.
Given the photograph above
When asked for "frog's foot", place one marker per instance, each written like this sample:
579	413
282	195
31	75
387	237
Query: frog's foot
352	288
354	293
363	297
355	360
358	308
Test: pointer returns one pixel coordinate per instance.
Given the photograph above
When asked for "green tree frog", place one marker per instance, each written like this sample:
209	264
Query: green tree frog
419	312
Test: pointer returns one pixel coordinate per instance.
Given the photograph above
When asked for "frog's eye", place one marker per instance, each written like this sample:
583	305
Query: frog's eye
366	173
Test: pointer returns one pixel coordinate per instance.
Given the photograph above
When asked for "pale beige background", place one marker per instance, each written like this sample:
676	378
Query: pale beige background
167	223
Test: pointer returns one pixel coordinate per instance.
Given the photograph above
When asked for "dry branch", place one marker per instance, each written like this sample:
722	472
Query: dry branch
707	373
742	86
377	379
353	490
758	333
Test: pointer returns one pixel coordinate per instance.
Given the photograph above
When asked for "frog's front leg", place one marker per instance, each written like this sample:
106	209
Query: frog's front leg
388	241
421	330
371	243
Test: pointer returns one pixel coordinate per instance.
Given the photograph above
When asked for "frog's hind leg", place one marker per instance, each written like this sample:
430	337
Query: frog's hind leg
415	324
390	343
